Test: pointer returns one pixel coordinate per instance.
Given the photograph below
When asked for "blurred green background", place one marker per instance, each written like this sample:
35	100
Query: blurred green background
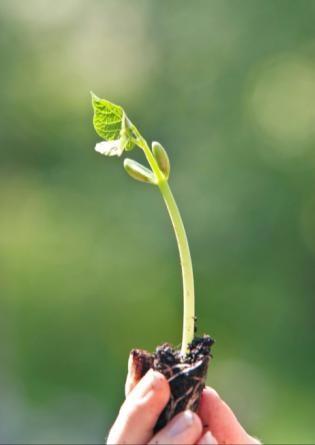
88	261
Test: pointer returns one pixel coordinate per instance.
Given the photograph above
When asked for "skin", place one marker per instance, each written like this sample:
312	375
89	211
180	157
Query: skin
215	423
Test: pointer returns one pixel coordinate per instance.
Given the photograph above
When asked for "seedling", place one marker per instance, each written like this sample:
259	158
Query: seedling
121	135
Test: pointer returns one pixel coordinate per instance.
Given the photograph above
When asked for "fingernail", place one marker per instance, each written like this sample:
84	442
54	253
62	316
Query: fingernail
181	423
207	439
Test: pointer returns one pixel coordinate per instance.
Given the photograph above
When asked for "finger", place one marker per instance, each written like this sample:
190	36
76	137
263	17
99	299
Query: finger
132	378
139	363
140	411
207	439
185	428
218	418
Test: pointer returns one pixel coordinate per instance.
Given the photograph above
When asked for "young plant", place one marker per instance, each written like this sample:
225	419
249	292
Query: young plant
112	124
185	369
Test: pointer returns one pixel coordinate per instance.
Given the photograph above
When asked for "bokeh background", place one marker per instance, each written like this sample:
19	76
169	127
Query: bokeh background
88	261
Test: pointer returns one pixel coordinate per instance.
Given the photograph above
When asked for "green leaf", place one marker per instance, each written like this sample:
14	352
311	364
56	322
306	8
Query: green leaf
110	122
138	171
107	118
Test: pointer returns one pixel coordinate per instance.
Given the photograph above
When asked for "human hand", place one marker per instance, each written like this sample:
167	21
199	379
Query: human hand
214	423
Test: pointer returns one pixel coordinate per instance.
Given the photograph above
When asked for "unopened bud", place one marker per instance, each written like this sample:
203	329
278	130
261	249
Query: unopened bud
161	158
138	171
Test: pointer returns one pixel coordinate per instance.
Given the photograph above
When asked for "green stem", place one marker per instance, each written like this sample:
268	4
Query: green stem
186	265
183	248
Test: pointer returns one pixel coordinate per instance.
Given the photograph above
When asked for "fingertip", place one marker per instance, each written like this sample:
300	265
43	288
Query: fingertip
184	428
210	399
211	394
159	393
152	393
160	382
196	423
193	426
141	409
218	417
195	430
207	439
158	376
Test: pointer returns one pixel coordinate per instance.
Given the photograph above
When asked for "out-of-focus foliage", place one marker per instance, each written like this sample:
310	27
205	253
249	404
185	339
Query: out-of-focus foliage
88	260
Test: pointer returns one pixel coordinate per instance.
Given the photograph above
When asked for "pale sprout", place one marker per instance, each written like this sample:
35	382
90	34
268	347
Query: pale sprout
110	148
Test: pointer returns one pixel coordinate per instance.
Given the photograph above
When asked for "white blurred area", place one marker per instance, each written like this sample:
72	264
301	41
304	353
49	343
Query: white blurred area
97	41
282	101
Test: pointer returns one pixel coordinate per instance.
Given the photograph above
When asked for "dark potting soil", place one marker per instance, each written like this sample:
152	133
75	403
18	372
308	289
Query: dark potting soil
186	376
